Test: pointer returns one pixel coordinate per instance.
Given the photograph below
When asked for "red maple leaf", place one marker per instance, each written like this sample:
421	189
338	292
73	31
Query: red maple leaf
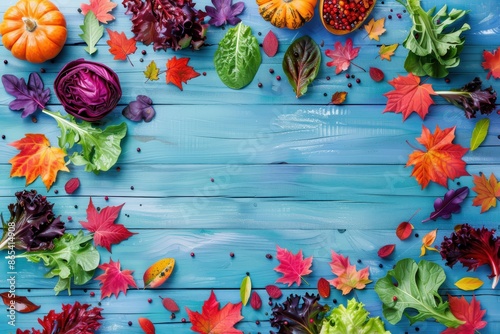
441	161
102	224
342	55
348	277
101	9
293	267
409	96
178	71
492	63
213	320
470	313
488	190
120	45
115	280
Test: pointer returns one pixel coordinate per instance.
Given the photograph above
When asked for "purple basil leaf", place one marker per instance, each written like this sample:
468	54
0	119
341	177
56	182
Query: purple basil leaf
224	12
140	109
29	97
451	203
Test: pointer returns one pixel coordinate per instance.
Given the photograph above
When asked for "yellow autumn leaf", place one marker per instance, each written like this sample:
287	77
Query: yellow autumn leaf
245	289
375	28
469	283
386	51
158	273
338	97
152	71
427	241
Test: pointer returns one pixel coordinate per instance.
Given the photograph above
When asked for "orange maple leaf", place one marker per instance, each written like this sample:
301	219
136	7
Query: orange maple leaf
375	28
487	192
409	96
101	9
441	161
37	158
120	45
492	63
178	71
348	277
213	320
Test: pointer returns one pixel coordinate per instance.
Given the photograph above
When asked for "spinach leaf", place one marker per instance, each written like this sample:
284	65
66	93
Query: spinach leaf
73	257
237	58
100	148
432	51
414	286
301	63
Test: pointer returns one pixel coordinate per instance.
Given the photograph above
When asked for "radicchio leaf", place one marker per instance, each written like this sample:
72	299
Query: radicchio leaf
255	301
270	44
451	203
76	318
35	225
273	291
473	247
301	63
224	12
290	317
169	304
28	98
140	109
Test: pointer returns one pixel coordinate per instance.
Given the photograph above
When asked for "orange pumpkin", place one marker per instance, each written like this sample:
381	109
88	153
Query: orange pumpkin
33	30
292	14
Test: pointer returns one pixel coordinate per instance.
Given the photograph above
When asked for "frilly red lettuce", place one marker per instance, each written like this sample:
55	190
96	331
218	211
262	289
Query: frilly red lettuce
74	319
167	24
473	247
32	225
290	317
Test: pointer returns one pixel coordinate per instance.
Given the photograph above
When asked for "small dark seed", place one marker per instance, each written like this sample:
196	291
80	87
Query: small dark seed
458	183
204	74
359	260
130	322
325	94
42	70
328	78
34	119
5	61
260	44
141	60
391	10
389	17
212	179
417	329
231	254
416	235
76	206
347	75
447	80
29	290
259	84
257	322
143	52
271	71
247	273
349	85
269	256
3	136
269	303
138	149
380	265
259	33
335	301
99	303
358	80
131	187
79	11
56	191
118	169
353	76
98	208
85	290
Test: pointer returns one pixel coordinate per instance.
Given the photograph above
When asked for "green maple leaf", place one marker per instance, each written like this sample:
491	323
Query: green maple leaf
152	71
92	32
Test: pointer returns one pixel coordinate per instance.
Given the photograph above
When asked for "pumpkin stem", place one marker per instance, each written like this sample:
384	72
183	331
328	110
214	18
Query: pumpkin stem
29	24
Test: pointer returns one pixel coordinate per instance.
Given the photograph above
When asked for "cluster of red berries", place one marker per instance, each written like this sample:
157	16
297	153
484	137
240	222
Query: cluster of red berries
345	14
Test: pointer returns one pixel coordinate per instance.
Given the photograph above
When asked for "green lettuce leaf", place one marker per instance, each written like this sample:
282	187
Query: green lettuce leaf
92	32
432	51
353	319
415	286
301	63
73	257
100	148
237	59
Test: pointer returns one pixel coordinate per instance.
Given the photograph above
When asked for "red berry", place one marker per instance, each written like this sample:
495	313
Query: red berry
278	78
150	300
183	320
192	254
231	254
395	298
92	293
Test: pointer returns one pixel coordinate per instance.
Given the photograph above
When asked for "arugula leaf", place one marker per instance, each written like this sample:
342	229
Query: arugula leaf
92	32
479	133
73	257
237	58
414	286
353	319
100	148
431	50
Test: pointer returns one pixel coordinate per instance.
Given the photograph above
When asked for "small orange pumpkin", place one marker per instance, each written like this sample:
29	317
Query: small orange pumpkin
33	30
292	14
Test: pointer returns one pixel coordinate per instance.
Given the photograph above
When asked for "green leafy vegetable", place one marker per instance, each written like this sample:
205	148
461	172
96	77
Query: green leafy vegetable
414	286
353	319
92	32
237	58
73	257
301	63
432	51
479	133
100	148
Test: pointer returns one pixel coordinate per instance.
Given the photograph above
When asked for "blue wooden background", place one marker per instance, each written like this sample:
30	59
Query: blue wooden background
298	173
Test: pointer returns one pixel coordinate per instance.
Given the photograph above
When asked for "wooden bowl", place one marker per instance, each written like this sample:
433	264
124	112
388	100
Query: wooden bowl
362	8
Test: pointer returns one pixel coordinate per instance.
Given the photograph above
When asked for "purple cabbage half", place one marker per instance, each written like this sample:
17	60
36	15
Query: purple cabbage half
32	225
87	90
